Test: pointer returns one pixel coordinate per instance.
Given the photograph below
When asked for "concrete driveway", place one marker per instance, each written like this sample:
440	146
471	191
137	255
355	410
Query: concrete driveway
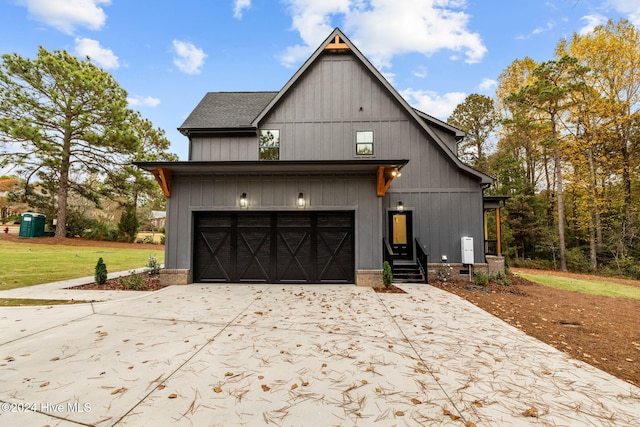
227	355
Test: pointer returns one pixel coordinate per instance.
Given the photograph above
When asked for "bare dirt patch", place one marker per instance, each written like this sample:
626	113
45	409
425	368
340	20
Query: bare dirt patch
599	330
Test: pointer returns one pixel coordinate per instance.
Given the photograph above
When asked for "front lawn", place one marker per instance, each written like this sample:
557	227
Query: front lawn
27	263
587	286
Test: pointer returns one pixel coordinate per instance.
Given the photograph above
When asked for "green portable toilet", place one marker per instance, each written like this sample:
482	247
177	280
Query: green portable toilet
31	225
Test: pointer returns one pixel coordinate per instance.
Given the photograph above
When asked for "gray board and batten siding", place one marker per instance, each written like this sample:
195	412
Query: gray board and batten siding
318	112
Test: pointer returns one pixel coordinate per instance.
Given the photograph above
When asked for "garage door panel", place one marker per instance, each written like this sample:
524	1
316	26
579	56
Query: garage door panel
294	258
335	256
253	255
274	247
213	256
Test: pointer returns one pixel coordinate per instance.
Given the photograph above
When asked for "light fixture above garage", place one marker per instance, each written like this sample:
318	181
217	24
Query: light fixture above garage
400	206
243	200
301	202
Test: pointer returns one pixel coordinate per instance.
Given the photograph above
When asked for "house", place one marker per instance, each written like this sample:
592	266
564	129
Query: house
319	182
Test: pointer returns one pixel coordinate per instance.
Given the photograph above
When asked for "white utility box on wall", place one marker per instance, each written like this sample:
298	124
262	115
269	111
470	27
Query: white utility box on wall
466	243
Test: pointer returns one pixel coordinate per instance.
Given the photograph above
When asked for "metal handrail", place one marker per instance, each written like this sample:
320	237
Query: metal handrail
387	251
421	258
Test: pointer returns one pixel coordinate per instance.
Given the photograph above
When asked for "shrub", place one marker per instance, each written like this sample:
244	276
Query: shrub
162	240
101	272
501	279
76	223
133	281
101	231
387	274
128	225
444	272
480	278
153	266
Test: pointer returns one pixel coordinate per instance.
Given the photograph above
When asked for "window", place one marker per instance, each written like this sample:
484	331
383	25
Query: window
269	144
364	143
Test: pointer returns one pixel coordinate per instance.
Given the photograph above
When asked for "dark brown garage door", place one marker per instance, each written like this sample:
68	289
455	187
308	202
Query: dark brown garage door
274	247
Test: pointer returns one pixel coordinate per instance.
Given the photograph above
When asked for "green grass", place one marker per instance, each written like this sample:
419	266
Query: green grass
593	287
25	264
19	302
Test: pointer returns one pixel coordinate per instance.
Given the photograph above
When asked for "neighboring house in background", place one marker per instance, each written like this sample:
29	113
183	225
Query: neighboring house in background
303	185
158	218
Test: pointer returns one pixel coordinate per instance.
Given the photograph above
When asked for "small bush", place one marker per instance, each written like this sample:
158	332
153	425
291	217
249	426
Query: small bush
101	231
101	272
444	271
153	266
149	239
480	279
501	279
128	225
387	274
133	281
162	240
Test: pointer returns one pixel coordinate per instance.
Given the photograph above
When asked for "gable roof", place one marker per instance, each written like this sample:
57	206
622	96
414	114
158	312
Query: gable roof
226	111
338	41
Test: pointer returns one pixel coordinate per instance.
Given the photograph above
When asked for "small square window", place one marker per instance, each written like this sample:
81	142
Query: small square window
269	144
364	143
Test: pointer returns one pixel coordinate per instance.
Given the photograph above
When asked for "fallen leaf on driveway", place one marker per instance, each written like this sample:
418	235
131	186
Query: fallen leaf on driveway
172	396
119	390
531	412
450	415
265	387
44	384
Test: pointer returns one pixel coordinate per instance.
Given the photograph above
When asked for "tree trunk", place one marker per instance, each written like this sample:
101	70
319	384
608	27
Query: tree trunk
591	205
629	233
63	187
559	199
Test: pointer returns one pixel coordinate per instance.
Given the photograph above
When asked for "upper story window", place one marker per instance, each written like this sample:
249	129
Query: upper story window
269	144
364	143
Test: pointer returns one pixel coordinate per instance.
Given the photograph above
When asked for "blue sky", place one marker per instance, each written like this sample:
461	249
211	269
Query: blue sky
167	53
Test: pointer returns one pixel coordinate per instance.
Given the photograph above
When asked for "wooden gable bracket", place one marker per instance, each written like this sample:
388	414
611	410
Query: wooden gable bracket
163	176
385	176
337	44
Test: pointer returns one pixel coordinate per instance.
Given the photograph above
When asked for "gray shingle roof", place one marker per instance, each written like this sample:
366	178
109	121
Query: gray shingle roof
227	110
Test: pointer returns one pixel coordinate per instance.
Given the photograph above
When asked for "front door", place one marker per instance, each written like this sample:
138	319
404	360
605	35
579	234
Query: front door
401	234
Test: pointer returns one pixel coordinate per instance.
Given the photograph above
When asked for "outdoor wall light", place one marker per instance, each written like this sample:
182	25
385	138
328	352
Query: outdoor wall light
301	201
395	173
400	206
243	200
443	258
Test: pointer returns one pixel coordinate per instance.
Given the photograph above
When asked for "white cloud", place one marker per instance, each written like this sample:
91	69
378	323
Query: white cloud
66	15
592	21
147	101
550	25
239	6
630	8
440	106
487	84
421	72
189	59
104	58
386	28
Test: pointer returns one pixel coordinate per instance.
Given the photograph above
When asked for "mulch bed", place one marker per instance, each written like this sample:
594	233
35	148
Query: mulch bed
150	282
391	289
599	330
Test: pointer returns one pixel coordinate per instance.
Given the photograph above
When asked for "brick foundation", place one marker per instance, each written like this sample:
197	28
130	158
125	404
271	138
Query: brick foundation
371	278
170	277
495	264
454	271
